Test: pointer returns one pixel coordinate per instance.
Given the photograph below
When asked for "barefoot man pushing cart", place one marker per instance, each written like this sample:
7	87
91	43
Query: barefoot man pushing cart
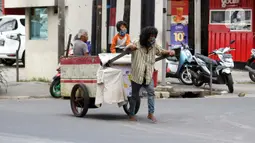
142	65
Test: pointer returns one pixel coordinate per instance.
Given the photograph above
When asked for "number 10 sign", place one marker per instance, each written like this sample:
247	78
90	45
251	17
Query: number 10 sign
178	31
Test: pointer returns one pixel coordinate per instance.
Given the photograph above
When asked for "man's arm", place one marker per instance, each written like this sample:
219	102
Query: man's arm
85	50
162	52
114	43
128	39
133	46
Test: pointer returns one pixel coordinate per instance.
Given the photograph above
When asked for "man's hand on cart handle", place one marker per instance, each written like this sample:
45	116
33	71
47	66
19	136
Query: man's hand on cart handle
165	55
169	53
131	47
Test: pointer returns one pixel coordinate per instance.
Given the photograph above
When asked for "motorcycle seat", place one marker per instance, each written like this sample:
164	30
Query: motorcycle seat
174	59
206	59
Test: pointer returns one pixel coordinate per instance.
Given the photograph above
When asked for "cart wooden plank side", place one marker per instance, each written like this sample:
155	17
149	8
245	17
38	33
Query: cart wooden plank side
76	70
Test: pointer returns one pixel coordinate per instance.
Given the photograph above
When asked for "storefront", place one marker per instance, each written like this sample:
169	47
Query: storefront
232	20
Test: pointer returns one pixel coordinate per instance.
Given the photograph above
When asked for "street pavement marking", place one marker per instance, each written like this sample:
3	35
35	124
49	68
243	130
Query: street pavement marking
236	124
13	138
174	131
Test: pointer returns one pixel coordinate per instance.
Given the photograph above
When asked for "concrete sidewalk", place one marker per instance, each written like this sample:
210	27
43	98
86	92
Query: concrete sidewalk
20	90
241	76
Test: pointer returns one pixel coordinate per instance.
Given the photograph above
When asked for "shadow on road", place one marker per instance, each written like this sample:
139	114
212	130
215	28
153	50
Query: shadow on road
101	116
108	117
13	66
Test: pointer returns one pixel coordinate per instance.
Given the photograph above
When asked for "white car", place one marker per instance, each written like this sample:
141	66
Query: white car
9	25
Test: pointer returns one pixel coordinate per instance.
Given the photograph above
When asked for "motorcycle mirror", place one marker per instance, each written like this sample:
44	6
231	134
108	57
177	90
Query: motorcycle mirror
232	41
183	45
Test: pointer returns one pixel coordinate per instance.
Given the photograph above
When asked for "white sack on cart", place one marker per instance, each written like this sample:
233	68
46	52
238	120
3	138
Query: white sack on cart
110	87
105	57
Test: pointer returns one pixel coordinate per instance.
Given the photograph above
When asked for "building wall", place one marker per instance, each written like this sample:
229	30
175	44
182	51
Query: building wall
41	55
28	3
79	16
45	52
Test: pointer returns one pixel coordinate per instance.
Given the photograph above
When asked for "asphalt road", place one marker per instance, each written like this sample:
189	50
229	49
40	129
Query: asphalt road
211	120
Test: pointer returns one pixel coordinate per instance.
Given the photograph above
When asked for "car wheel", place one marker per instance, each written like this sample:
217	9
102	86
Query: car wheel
8	62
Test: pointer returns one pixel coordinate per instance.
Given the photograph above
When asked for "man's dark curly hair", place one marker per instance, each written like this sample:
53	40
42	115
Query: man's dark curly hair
145	35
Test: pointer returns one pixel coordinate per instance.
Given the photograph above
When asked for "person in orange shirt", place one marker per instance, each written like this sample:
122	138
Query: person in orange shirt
120	40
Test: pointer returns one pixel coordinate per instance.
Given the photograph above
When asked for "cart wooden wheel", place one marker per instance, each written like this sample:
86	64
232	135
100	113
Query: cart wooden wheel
79	100
137	107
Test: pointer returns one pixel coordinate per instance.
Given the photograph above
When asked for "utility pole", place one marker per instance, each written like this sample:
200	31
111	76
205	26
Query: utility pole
197	26
61	28
164	25
98	26
147	13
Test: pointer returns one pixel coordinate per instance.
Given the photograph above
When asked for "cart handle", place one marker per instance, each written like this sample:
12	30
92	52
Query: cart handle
161	58
127	51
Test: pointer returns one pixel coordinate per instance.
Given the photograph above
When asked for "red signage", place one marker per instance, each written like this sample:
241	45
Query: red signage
230	3
179	7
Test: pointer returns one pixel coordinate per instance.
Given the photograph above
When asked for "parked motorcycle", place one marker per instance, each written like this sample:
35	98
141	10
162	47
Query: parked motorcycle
250	66
221	70
55	85
177	67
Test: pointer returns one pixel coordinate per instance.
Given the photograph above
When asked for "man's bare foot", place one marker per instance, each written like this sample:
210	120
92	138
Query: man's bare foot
152	117
132	118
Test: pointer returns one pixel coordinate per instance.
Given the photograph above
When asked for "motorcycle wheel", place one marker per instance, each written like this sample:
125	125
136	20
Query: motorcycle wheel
197	83
230	83
252	76
184	77
55	88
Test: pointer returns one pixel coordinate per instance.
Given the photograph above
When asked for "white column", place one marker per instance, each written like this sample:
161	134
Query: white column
135	19
197	26
159	26
120	5
164	32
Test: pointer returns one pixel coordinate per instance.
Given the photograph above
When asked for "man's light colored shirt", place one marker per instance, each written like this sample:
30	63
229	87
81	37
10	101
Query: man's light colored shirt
143	61
80	48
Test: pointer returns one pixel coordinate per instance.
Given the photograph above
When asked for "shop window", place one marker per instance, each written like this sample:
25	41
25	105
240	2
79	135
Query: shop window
220	17
39	24
241	20
234	19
